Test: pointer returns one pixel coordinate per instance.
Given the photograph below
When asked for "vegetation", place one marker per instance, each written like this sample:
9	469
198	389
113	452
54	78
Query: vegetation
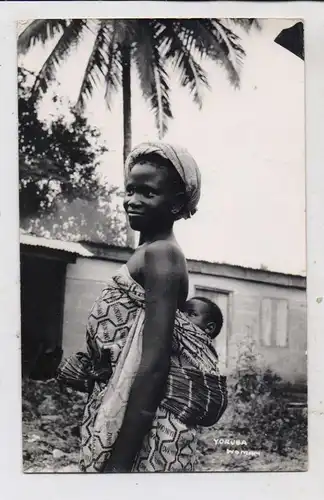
61	193
265	413
152	46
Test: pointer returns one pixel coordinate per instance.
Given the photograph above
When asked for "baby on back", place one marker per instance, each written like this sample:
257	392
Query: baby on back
201	311
205	314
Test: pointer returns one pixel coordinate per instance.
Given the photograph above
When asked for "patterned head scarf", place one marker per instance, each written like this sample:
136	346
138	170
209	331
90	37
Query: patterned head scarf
182	161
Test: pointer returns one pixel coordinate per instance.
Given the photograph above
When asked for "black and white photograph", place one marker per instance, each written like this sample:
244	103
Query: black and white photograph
162	205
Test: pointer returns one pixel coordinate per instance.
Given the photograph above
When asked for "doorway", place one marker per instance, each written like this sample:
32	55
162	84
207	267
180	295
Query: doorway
42	282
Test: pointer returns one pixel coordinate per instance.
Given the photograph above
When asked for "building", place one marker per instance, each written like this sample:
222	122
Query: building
262	309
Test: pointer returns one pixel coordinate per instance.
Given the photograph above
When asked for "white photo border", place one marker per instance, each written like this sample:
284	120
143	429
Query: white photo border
14	483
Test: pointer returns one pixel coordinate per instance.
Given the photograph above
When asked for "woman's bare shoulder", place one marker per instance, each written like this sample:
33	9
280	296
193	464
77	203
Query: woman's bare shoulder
167	250
165	259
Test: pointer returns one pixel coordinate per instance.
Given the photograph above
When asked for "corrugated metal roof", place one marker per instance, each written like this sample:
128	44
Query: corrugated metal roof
121	254
65	246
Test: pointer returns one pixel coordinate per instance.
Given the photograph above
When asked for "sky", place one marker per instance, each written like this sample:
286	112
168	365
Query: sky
249	145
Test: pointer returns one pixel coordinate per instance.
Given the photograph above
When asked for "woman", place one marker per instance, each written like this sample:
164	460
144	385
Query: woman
162	380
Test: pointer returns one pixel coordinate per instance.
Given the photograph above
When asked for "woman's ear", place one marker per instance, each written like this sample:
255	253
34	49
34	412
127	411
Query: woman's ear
178	203
210	328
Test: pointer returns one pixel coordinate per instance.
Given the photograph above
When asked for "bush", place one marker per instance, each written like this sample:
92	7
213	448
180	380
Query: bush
265	417
259	411
261	403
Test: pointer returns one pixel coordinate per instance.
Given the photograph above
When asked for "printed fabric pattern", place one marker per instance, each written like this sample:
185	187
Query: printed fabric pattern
195	395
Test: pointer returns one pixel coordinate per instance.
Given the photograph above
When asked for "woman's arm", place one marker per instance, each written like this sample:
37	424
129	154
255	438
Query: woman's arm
162	277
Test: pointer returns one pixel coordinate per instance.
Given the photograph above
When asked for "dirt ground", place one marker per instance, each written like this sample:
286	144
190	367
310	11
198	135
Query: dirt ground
51	442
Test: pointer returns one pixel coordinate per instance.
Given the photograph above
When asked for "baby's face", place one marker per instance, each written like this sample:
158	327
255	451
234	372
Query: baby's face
197	312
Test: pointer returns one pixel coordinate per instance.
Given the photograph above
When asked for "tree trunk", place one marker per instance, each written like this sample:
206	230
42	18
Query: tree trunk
127	123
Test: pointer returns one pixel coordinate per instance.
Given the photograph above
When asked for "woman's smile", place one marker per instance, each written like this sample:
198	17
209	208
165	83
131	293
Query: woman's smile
132	213
132	216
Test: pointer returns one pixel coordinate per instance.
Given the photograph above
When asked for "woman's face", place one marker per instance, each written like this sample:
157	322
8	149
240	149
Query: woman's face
149	197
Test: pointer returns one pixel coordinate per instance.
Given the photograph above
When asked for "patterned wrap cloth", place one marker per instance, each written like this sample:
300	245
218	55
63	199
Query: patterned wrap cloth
195	393
182	161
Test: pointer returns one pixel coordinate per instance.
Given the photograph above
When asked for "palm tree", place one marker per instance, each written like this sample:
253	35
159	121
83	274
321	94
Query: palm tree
152	46
148	44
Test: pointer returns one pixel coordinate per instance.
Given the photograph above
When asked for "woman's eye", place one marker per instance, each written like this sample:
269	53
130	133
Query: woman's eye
148	193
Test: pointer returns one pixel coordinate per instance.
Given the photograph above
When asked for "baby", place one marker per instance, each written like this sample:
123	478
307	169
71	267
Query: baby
205	314
200	311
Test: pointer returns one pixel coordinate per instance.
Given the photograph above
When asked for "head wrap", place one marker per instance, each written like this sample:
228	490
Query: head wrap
182	161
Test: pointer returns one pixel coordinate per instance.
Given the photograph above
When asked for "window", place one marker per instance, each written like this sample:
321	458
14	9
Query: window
274	322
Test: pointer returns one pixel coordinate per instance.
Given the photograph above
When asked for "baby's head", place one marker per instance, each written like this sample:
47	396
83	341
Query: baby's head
205	314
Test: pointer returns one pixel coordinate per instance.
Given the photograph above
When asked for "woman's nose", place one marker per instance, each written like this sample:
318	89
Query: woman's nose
133	200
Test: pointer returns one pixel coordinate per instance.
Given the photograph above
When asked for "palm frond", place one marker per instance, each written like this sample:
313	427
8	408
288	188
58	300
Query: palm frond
40	30
69	39
191	73
96	67
211	39
191	33
113	59
246	23
152	74
225	48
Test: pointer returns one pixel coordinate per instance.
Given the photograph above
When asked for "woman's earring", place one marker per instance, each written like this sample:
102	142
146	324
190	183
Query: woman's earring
174	210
